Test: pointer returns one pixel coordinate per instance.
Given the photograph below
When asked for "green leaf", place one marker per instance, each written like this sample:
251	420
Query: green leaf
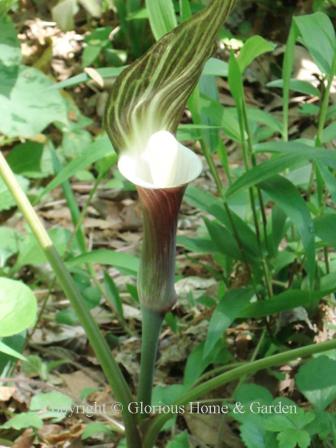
24	420
228	309
4	348
18	307
287	197
216	67
196	364
293	438
30	252
25	158
297	85
100	148
10	56
162	17
9	243
94	428
247	393
293	154
96	41
325	229
167	395
254	46
223	240
6	198
236	81
318	36
119	260
210	204
316	380
112	294
51	404
285	301
150	95
31	106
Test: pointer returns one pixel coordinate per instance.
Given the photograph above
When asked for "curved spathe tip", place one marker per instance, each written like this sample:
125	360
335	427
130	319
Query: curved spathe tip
163	163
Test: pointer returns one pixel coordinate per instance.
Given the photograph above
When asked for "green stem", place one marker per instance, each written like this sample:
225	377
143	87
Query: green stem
233	375
97	341
151	326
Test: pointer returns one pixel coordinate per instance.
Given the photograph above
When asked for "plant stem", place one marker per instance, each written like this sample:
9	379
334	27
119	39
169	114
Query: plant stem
233	375
151	326
97	341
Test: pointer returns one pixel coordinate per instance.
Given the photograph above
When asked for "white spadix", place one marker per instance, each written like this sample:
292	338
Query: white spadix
163	163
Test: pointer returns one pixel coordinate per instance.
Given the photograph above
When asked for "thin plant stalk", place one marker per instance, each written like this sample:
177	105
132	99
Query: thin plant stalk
97	341
234	375
151	326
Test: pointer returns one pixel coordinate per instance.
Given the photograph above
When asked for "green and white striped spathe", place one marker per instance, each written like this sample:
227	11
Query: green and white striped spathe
150	95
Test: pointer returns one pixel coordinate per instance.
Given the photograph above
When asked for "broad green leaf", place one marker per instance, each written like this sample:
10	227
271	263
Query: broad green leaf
51	404
31	106
119	260
202	245
316	380
318	36
166	395
294	437
6	198
292	154
17	307
228	309
196	364
285	301
151	94
94	428
162	17
4	348
30	252
265	170
10	56
24	420
254	46
25	158
247	393
297	85
96	41
287	197
216	67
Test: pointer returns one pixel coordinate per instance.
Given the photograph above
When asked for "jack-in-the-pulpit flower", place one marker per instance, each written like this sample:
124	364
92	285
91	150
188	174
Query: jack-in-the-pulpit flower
142	114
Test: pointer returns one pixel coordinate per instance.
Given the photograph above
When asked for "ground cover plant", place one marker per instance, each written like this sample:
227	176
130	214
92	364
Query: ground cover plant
167	239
